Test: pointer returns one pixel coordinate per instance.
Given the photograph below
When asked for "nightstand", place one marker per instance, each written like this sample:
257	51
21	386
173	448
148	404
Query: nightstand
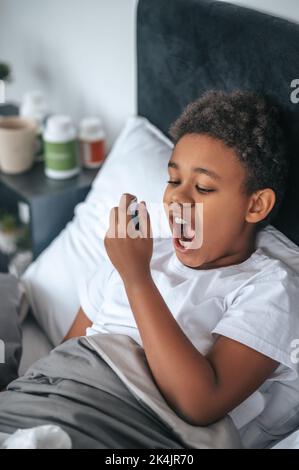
50	202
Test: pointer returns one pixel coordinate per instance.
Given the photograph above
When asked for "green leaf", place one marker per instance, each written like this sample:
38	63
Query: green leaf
4	71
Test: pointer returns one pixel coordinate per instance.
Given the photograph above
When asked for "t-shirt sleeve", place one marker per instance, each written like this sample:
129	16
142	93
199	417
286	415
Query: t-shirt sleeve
92	290
264	316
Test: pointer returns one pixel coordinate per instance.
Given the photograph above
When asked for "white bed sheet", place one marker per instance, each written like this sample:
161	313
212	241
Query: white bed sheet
290	442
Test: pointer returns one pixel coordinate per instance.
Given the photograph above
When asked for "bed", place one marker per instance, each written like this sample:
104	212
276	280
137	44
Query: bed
185	47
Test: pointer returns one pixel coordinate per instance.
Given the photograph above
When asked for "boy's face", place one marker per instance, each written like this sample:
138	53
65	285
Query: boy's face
224	205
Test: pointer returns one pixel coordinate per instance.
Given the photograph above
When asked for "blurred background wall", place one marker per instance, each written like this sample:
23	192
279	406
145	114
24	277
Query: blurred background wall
81	53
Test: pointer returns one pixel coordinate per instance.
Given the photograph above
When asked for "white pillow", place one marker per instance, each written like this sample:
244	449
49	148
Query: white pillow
137	164
276	244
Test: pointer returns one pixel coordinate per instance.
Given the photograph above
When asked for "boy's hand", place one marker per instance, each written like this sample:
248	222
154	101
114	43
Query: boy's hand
129	250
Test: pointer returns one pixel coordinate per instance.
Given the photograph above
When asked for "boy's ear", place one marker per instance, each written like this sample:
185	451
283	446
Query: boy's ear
260	205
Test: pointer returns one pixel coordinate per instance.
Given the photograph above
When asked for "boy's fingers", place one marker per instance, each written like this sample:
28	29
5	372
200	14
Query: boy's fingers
113	223
125	200
144	221
125	215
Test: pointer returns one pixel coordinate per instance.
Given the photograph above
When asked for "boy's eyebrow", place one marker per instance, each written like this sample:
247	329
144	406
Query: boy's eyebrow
210	173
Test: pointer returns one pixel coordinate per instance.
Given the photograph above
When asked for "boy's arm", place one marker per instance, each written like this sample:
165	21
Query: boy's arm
79	326
200	388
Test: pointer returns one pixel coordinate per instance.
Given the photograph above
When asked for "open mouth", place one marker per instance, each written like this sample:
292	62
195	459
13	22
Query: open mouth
183	233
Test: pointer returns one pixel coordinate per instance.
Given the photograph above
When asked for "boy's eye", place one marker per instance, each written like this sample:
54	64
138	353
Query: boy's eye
198	188
204	190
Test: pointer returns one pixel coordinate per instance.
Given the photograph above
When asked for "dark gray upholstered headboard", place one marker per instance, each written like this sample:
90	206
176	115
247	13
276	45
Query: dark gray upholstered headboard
185	47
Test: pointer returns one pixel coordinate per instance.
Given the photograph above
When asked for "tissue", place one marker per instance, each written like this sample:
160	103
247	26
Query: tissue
41	437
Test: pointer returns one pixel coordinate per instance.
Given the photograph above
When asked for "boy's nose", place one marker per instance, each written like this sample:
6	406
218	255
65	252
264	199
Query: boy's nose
180	197
180	194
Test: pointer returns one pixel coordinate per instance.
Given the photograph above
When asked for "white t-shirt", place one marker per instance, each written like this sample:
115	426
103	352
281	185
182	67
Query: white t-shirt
254	302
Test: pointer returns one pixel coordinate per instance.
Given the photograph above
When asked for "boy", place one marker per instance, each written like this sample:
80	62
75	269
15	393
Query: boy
215	316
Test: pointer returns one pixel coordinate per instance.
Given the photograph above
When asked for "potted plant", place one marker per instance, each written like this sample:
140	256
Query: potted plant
9	233
5	72
15	244
6	109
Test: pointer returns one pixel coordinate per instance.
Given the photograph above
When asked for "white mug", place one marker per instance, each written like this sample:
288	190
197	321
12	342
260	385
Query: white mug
17	144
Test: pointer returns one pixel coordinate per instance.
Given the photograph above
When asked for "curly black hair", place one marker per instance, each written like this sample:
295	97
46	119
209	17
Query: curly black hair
252	126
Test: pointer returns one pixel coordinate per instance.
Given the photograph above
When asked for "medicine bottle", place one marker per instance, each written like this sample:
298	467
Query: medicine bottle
61	148
91	142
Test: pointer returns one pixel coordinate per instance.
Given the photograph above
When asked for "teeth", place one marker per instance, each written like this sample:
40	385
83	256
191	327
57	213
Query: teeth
184	244
186	230
178	220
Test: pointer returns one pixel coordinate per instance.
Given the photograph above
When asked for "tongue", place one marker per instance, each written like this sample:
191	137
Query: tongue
183	232
188	233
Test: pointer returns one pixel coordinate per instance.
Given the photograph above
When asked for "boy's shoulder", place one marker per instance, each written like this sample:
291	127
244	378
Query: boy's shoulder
271	266
265	278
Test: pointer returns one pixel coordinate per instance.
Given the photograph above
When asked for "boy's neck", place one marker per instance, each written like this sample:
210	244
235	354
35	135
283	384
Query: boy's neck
235	257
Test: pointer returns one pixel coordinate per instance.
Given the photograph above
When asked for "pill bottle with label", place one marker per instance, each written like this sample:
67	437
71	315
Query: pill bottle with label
34	107
61	148
91	142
